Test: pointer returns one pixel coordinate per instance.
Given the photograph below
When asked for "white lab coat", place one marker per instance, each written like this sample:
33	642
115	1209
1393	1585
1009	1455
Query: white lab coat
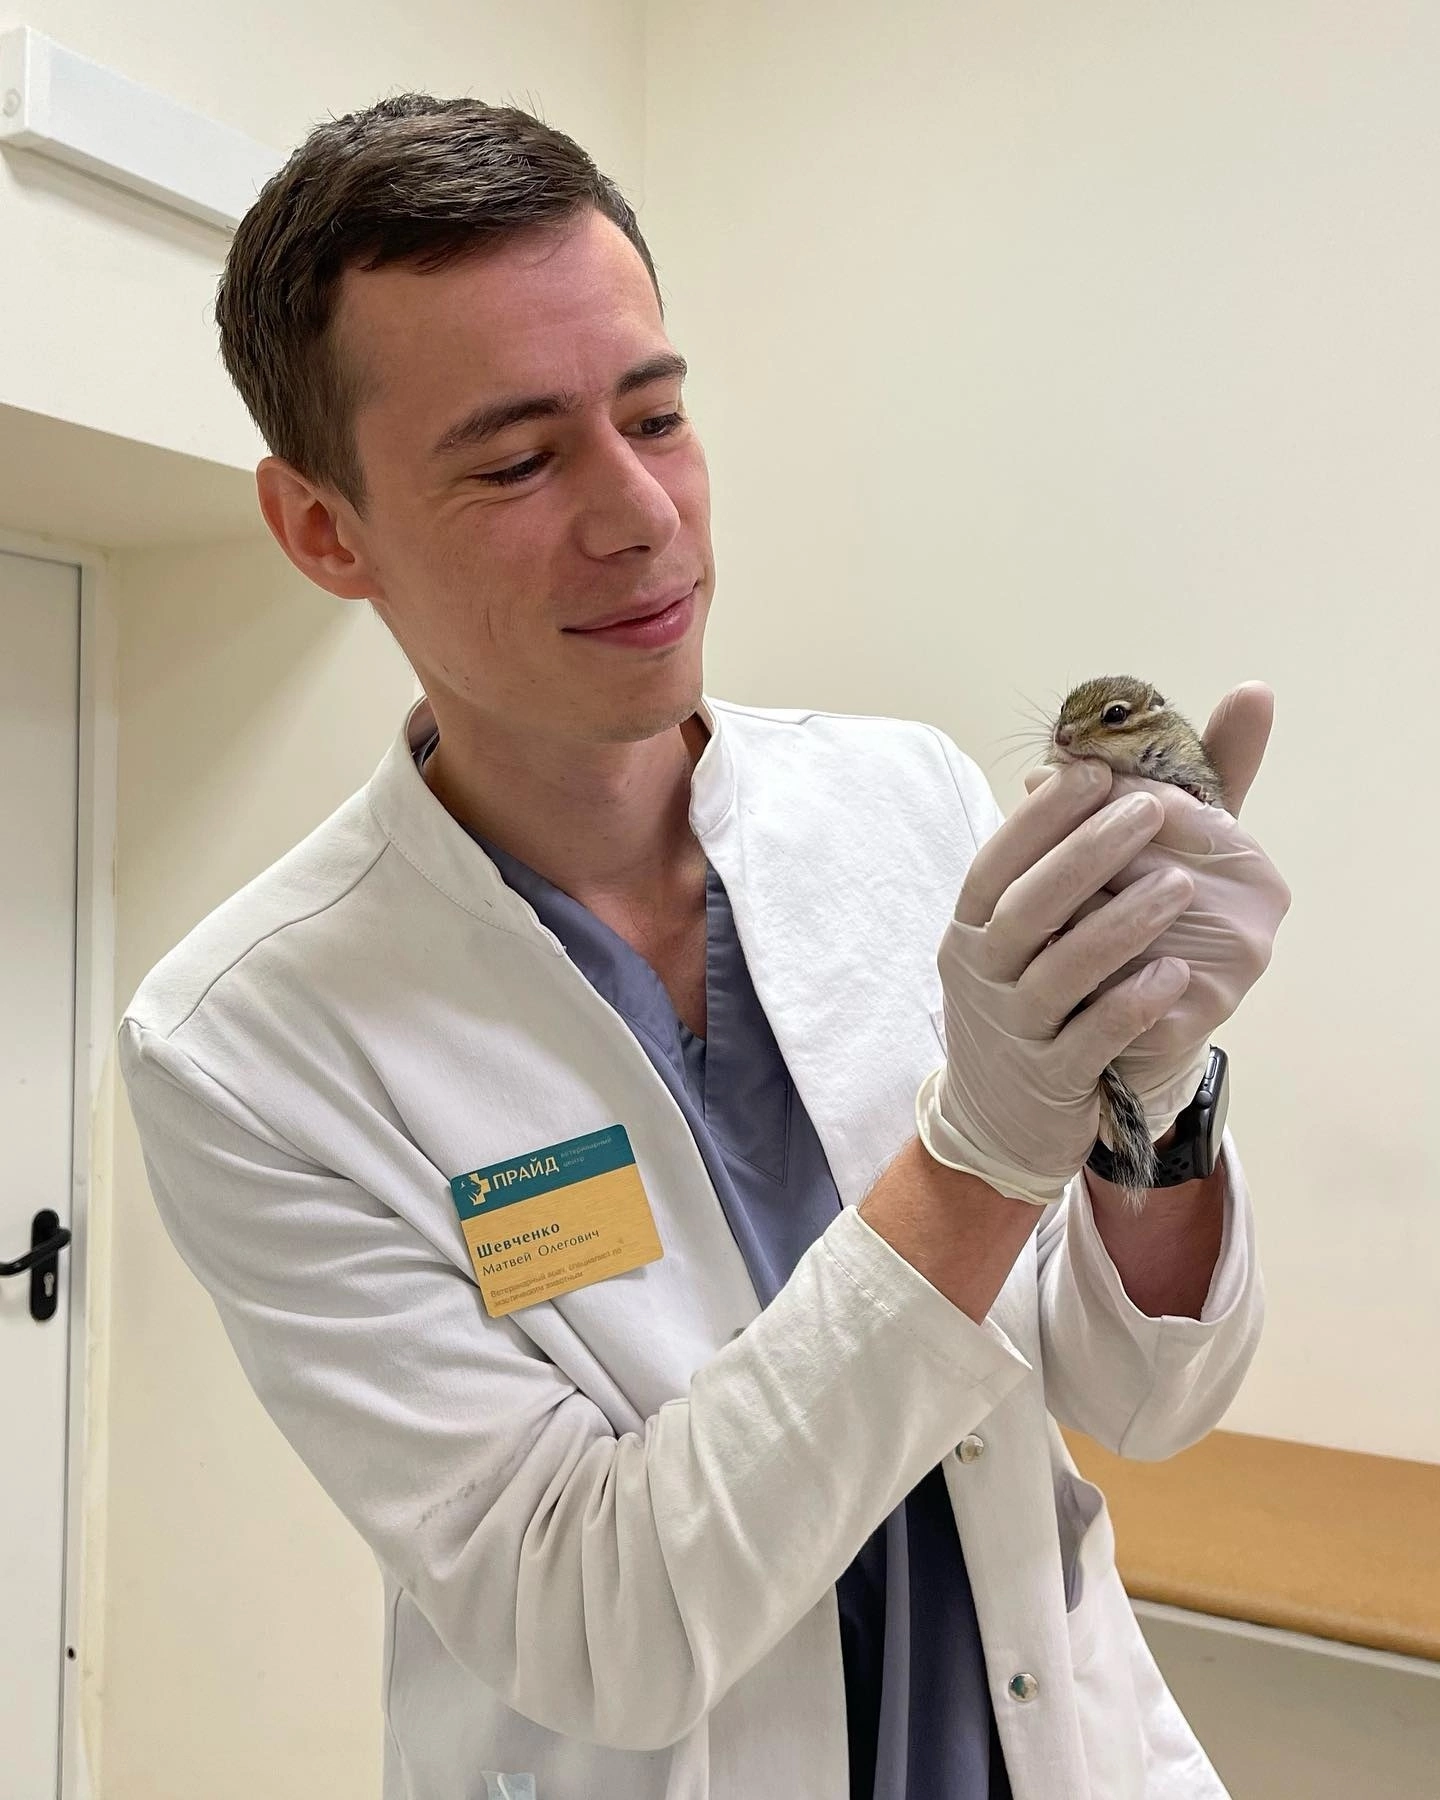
609	1525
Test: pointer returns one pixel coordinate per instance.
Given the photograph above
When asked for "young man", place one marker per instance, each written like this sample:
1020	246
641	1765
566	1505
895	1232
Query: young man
525	1121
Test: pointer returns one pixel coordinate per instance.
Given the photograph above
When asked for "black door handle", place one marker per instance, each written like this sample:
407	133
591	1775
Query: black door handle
48	1237
45	1251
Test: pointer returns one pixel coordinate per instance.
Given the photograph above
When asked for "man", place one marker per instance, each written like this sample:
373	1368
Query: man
664	1257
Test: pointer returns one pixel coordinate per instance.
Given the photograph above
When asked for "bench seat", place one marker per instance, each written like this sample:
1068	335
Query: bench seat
1336	1543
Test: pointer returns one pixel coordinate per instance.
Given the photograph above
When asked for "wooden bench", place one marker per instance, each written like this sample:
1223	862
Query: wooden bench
1335	1543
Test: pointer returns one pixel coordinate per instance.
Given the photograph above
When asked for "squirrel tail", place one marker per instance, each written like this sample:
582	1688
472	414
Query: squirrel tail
1136	1165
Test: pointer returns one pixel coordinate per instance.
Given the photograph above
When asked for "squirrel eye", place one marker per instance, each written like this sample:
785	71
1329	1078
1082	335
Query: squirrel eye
1115	715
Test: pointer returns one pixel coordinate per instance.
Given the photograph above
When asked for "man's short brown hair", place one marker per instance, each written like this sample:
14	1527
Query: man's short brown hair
410	180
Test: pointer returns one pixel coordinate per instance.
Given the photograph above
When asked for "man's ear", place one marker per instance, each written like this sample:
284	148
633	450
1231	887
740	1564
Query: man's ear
315	529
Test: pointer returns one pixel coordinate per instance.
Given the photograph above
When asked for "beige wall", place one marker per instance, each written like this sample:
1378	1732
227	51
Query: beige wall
1034	341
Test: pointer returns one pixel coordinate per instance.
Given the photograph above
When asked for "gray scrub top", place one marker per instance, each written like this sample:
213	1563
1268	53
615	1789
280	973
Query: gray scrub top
919	1718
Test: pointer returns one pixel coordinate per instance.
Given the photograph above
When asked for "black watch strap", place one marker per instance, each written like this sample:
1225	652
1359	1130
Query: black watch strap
1195	1149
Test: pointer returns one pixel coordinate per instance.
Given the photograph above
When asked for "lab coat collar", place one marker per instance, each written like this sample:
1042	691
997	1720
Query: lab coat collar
436	844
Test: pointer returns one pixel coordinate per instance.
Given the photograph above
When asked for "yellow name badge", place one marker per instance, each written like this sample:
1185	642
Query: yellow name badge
554	1220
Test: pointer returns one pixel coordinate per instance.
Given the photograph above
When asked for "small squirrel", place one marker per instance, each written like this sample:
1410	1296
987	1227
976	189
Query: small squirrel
1131	726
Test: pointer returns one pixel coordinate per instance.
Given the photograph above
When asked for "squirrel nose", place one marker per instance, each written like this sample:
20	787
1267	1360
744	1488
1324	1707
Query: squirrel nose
1064	734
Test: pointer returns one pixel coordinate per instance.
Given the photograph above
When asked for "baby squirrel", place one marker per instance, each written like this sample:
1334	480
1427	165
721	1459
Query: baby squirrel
1131	726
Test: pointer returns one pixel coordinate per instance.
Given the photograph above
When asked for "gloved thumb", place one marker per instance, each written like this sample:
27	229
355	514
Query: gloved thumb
1037	777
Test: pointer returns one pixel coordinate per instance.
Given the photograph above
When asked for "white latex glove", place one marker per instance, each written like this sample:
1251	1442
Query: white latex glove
1017	1101
1226	934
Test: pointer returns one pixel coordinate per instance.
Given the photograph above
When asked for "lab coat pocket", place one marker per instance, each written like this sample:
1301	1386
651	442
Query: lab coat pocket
1087	1556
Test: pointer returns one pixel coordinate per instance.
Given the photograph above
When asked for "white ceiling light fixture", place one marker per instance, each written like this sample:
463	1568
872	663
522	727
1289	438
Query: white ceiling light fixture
56	103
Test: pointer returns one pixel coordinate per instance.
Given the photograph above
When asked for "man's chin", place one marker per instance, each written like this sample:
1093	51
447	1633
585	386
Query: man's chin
634	723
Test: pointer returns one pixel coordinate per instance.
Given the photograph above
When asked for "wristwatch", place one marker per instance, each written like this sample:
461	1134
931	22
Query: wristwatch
1195	1149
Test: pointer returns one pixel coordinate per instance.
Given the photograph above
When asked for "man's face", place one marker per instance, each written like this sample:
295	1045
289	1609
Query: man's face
484	552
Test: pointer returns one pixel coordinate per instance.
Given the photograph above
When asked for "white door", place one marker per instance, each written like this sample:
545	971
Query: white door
39	768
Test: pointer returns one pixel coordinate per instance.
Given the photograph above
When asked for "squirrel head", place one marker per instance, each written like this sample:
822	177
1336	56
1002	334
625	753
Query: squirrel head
1114	718
1130	725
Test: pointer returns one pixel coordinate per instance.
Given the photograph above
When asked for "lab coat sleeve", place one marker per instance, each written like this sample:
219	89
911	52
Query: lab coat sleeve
1142	1387
610	1587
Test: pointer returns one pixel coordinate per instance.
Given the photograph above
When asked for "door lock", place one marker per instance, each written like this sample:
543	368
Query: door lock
48	1237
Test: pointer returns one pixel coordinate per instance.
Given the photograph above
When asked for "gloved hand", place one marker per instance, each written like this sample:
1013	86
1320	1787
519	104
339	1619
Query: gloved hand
1017	1100
1226	933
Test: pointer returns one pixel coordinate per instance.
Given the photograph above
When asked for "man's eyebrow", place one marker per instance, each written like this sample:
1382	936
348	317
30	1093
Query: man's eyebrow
496	416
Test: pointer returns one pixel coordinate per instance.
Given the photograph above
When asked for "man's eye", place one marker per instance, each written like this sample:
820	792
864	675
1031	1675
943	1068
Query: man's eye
666	423
516	472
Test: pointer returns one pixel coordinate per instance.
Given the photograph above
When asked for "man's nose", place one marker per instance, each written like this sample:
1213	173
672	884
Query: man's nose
626	506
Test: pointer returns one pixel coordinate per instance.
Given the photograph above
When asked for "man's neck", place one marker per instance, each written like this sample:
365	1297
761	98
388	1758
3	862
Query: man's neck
607	822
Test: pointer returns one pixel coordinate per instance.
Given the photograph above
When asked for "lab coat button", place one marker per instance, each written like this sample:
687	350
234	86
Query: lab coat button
971	1447
1024	1686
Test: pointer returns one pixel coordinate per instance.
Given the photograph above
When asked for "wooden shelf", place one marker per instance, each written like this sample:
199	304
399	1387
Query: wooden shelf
1331	1542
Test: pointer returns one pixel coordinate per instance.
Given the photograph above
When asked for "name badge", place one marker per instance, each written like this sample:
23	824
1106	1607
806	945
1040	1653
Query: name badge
555	1220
